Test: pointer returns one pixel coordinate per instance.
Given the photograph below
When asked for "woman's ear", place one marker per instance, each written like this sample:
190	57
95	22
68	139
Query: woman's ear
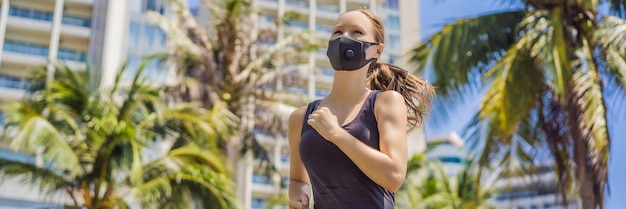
374	51
380	49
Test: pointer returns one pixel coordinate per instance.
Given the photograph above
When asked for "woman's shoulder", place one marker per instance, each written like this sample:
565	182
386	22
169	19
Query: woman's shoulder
298	112
389	96
387	100
297	116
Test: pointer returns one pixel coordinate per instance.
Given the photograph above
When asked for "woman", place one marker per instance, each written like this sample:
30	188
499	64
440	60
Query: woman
350	147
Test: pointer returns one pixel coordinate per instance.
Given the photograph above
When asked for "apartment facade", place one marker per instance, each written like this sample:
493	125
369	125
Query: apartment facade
514	190
99	35
537	190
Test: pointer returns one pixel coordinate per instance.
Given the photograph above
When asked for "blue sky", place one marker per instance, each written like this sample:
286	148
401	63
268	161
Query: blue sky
436	13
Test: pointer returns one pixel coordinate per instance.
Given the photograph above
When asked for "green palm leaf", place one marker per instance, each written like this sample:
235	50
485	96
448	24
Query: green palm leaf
588	112
186	168
36	132
611	36
468	46
48	180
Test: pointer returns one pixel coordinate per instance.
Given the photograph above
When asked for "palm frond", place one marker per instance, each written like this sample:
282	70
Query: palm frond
512	93
190	122
611	36
265	57
457	56
544	37
35	132
467	47
211	189
591	120
46	179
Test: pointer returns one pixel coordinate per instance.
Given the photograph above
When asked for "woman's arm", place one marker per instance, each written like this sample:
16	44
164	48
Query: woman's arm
386	167
299	184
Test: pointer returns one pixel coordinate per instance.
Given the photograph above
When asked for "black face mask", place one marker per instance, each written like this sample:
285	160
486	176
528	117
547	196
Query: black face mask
348	54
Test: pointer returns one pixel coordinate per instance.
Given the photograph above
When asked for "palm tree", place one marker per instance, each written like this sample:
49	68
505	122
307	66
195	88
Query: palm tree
545	70
101	145
223	63
429	186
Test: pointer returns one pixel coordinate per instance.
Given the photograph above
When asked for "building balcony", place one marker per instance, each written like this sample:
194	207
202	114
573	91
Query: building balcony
82	2
34	54
263	190
27	18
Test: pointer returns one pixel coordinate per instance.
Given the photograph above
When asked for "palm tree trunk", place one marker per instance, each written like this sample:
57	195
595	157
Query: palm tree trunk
580	136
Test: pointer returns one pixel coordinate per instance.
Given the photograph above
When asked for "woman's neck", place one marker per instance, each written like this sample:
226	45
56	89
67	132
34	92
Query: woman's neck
349	86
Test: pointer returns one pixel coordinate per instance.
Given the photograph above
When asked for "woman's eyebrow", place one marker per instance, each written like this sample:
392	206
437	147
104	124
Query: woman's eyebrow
350	26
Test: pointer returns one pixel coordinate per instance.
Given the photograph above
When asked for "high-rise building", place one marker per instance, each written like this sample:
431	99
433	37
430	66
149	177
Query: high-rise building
515	189
531	190
39	34
34	33
450	150
314	73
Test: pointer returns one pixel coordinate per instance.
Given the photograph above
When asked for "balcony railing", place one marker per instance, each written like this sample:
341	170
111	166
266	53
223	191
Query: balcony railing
14	83
42	51
298	3
261	179
47	16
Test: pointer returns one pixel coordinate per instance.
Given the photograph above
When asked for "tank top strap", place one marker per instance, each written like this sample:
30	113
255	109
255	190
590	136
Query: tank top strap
310	108
371	99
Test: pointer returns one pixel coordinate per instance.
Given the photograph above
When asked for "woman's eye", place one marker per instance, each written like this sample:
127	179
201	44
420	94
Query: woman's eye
338	32
358	32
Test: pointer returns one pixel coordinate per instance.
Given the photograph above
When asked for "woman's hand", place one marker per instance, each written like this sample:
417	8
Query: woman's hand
324	122
302	202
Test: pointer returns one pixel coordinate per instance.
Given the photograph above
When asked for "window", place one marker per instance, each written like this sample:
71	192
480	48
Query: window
42	50
14	82
321	92
48	16
134	32
76	20
392	4
1	119
328	8
392	22
266	20
257	203
284	157
299	3
298	24
324	28
394	42
450	159
260	179
328	72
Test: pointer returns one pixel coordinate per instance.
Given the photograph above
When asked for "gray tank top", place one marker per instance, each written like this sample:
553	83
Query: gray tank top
337	182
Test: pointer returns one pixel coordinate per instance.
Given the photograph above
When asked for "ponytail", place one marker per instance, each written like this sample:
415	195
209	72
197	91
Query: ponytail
416	92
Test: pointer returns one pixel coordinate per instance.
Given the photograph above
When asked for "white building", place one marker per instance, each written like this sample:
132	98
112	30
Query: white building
514	191
449	150
36	34
531	191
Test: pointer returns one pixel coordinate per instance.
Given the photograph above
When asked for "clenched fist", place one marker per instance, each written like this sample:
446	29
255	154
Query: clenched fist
324	122
301	203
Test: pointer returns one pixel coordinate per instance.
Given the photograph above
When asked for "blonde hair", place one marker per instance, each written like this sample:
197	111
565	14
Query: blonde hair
385	76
